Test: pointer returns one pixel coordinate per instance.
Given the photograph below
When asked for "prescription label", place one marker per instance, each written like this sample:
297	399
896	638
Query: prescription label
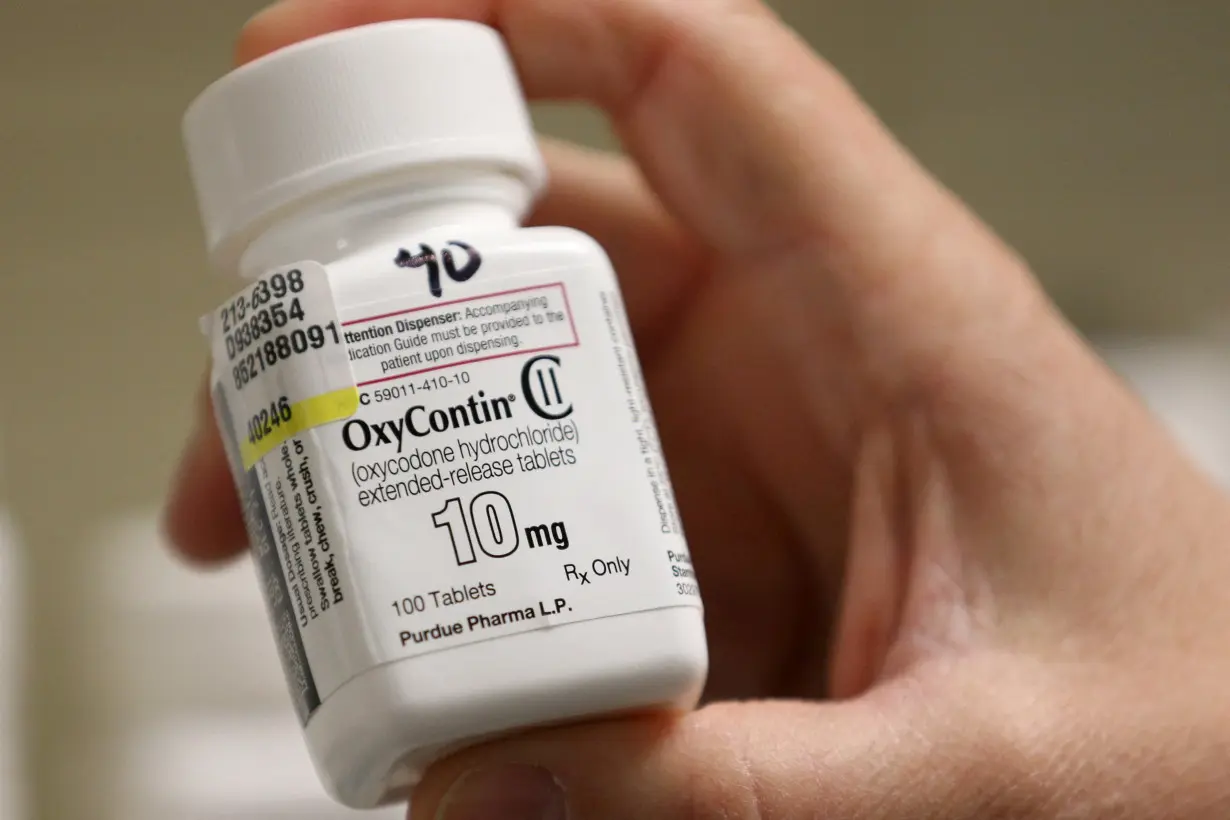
493	469
280	357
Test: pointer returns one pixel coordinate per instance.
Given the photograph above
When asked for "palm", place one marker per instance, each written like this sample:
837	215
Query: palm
762	495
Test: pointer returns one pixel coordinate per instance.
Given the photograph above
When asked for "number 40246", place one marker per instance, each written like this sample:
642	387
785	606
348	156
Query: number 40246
269	419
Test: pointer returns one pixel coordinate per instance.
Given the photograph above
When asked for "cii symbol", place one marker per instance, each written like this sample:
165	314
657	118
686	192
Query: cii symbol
540	384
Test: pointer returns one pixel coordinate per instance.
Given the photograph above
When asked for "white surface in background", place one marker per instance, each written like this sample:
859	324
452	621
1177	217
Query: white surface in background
12	772
208	730
184	638
1187	385
144	576
234	766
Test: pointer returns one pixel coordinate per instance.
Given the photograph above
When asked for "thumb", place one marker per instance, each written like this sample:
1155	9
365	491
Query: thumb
899	753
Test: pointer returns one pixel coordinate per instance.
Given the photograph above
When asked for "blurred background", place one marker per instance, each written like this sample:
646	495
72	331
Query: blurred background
1093	135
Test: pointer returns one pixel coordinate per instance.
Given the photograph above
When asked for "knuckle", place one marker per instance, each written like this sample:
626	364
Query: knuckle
721	780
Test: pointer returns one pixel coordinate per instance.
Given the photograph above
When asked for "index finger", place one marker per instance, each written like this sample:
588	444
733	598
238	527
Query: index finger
744	133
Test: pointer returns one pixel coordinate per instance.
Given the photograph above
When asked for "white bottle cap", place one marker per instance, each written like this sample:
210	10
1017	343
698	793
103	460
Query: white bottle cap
349	107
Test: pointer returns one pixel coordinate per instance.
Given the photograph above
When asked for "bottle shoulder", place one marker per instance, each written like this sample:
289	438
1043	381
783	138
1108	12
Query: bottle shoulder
458	260
538	247
565	242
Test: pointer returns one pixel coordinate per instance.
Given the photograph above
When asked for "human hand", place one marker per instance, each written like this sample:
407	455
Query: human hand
973	575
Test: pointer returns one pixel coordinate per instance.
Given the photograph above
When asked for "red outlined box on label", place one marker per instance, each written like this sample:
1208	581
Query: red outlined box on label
429	338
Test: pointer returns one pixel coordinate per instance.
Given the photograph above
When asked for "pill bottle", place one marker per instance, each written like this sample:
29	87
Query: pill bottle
438	428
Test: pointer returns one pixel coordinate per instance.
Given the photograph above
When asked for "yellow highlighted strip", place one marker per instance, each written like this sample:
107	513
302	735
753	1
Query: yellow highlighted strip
304	415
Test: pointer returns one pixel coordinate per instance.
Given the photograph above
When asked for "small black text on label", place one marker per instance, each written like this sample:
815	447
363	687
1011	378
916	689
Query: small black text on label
598	568
382	395
270	418
483	621
442	598
277	286
260	324
281	348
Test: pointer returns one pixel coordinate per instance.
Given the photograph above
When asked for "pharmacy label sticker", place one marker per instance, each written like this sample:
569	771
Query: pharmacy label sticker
280	356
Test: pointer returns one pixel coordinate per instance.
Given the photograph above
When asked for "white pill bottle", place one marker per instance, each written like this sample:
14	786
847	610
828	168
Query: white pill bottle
438	428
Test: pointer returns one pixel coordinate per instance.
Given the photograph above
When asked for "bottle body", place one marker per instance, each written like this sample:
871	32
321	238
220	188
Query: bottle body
373	739
485	540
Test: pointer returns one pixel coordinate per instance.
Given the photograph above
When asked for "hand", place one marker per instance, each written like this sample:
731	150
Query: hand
975	576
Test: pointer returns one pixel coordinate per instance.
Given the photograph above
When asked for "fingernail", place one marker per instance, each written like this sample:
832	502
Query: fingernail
505	793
